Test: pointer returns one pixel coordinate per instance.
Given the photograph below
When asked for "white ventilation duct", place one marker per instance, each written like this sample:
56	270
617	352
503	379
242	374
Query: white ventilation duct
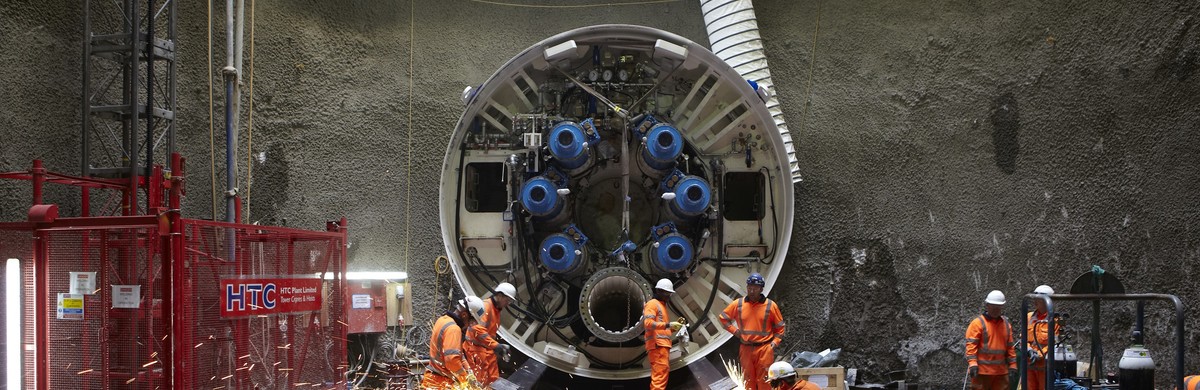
733	34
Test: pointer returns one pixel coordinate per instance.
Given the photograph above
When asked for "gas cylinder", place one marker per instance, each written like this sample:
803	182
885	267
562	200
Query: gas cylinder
1136	369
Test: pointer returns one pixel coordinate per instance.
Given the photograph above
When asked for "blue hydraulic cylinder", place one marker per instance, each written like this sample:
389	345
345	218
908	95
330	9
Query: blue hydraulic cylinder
692	195
672	253
664	144
561	254
569	144
540	198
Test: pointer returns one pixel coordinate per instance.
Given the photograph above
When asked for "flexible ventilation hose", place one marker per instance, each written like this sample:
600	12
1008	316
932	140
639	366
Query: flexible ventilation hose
733	34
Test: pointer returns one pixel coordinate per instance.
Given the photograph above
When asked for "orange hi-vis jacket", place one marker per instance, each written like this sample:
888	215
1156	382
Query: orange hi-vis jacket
481	357
654	318
481	342
445	349
1039	336
990	345
478	340
1191	382
491	317
754	323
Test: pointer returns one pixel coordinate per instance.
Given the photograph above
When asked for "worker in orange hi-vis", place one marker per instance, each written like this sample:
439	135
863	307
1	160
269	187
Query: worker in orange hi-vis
782	376
758	324
658	333
445	346
991	356
481	345
1191	382
1038	338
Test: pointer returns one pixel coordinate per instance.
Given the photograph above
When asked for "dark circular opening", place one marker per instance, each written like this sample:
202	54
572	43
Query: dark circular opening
617	311
694	193
557	252
565	138
538	194
665	139
675	251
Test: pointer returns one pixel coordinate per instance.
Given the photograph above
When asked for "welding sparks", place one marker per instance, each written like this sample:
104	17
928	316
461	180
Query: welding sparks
130	380
152	362
198	345
735	373
85	371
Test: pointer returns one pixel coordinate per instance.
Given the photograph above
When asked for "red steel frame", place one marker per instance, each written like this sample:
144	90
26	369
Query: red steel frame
174	248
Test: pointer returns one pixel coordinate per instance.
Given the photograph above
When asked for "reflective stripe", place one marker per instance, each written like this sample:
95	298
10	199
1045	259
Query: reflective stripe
766	314
439	372
983	324
739	314
970	356
441	335
742	331
451	352
662	337
985	341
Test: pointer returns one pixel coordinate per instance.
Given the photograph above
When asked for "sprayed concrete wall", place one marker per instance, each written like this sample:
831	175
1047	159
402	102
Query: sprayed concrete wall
948	148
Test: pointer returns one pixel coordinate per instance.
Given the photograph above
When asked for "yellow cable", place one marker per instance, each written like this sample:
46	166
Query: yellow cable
441	265
250	121
575	5
212	149
811	64
408	169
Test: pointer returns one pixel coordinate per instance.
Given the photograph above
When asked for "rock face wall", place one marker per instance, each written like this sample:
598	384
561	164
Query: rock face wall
948	148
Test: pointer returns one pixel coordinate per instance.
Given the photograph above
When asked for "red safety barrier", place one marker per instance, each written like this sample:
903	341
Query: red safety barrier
159	301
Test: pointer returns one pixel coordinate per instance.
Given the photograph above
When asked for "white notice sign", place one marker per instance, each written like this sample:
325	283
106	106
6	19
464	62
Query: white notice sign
361	301
126	296
83	283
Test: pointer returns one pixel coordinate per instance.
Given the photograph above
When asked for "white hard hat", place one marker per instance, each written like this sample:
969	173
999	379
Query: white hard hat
1043	289
474	306
995	297
780	370
507	289
665	285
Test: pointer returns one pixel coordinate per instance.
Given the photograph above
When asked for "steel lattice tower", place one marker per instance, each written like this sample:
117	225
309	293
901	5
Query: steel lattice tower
128	104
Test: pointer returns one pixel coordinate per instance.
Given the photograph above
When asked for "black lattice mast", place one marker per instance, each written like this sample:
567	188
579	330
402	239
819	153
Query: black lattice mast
128	90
